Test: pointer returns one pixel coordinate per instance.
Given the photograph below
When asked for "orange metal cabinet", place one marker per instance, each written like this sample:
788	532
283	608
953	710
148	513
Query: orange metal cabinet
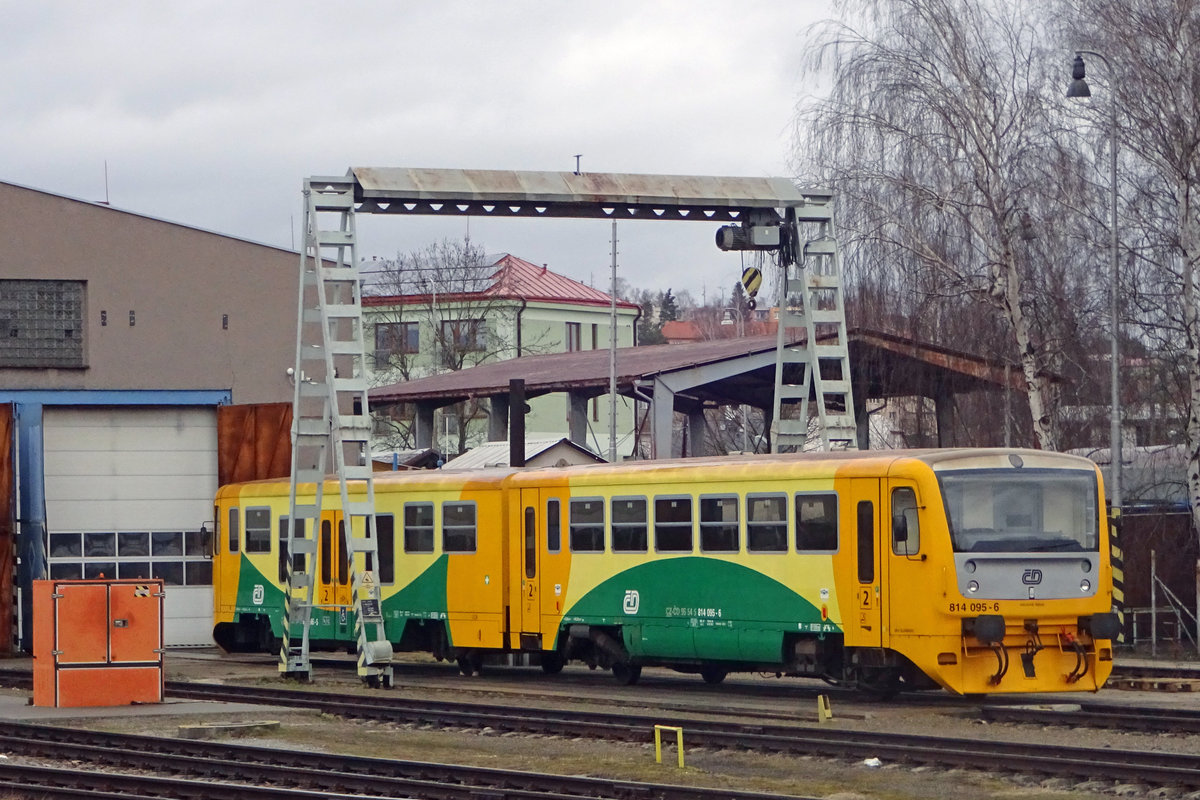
97	643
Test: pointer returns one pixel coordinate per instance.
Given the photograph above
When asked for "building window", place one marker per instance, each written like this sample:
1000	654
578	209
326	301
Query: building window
574	337
179	558
394	338
465	335
41	323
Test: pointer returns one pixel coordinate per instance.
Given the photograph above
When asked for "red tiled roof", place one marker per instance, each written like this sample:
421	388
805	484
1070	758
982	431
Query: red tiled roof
678	330
516	277
523	280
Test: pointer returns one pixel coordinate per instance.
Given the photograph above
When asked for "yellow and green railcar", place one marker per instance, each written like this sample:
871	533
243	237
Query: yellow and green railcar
975	570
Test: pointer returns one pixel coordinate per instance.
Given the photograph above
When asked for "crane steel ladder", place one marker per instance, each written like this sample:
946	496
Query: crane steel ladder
818	368
329	412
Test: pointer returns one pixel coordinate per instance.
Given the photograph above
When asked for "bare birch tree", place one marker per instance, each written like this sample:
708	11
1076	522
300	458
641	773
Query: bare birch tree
435	310
938	139
1155	82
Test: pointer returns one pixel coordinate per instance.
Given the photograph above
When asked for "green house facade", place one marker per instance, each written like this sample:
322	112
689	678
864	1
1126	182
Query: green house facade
514	309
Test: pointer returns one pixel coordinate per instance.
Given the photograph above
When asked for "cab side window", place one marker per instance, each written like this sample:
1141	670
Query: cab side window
906	529
234	520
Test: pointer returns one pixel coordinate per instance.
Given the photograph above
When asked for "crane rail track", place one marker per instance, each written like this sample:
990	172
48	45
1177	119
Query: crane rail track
234	767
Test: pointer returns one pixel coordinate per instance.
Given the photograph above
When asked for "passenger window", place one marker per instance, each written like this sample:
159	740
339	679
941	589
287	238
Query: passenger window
719	528
418	527
385	533
673	524
298	559
553	526
233	530
530	542
258	530
326	552
866	541
458	527
816	523
343	575
586	526
766	523
906	529
630	523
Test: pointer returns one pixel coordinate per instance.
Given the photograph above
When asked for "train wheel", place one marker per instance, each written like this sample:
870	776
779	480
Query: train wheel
880	684
552	663
713	675
465	666
626	674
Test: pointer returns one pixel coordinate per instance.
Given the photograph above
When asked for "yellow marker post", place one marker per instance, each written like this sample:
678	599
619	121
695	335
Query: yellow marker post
824	710
658	729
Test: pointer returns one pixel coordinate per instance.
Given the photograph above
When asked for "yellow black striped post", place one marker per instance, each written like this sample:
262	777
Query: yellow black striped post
1118	570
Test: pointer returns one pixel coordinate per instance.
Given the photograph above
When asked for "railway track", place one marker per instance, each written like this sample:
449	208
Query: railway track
1148	719
225	770
1088	764
1156	768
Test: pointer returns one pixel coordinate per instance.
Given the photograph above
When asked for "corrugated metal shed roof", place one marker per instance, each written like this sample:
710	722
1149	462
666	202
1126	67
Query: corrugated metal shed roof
492	454
887	365
556	372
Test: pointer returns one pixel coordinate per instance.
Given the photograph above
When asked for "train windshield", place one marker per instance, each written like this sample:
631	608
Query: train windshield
1030	510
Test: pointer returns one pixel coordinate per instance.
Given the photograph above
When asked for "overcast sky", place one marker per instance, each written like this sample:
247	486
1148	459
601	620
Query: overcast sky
212	113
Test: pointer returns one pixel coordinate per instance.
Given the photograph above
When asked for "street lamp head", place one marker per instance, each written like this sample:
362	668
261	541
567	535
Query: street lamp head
1078	87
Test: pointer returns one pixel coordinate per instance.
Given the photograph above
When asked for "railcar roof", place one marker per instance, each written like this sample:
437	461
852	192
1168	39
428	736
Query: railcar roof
882	460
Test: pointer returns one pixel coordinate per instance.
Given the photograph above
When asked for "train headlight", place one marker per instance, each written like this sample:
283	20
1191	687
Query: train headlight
973	587
1085	565
1085	585
969	566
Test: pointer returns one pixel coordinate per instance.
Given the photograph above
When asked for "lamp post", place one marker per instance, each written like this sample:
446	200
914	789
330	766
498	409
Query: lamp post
1079	89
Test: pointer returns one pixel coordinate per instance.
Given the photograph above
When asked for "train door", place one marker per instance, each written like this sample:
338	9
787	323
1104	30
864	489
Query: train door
227	556
862	513
333	569
908	573
531	623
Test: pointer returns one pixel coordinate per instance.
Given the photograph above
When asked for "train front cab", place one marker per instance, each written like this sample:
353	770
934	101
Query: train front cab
1023	606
